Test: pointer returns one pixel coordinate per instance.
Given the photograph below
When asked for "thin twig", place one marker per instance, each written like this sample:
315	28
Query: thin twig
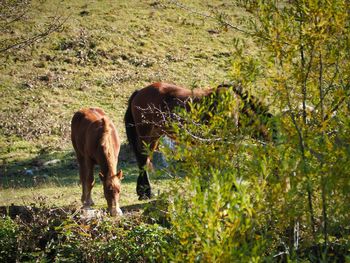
52	28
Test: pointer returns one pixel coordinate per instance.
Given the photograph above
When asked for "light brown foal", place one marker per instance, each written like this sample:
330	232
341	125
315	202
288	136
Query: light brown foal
95	141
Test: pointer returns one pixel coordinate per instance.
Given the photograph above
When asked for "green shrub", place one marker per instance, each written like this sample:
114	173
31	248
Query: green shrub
244	200
52	237
8	240
144	243
108	242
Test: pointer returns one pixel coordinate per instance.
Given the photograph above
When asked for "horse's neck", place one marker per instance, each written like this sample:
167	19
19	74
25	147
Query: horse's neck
202	93
107	165
250	102
199	95
109	158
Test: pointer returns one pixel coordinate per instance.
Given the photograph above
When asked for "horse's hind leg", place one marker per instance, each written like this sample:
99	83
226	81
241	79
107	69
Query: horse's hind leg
87	181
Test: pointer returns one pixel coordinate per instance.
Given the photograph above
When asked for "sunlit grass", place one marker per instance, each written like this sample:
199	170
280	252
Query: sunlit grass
69	196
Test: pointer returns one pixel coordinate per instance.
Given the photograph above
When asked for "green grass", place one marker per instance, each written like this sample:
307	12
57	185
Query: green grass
54	179
105	51
69	195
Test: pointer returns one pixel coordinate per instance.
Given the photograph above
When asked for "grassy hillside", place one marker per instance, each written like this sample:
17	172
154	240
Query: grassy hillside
104	51
244	197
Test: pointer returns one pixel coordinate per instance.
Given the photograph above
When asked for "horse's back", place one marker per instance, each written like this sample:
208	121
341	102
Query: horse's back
89	114
85	119
163	89
87	128
159	95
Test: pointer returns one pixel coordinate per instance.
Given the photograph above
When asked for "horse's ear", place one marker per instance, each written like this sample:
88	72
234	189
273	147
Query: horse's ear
103	121
120	174
102	177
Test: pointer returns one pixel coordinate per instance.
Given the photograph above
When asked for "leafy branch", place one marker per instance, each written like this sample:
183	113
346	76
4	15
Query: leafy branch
17	12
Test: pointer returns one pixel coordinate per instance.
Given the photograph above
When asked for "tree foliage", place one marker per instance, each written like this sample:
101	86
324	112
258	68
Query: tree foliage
288	199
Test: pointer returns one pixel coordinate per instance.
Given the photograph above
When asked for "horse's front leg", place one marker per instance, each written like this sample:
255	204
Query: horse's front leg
143	188
87	182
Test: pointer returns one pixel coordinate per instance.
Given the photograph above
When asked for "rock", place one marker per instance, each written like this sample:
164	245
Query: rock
84	13
51	162
48	77
28	172
27	85
88	213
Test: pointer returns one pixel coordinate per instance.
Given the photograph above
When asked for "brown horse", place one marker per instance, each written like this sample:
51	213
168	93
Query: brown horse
95	141
146	121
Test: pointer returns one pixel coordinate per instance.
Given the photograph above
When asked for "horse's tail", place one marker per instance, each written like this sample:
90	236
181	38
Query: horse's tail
130	127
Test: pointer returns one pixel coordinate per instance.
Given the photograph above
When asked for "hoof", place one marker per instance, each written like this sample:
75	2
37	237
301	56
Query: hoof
88	204
116	212
119	212
143	197
146	196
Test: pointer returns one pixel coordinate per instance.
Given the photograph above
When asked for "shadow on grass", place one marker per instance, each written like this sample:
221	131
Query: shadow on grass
59	169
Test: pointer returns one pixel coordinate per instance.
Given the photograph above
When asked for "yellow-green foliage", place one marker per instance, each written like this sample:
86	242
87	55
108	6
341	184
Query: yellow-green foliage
246	201
235	198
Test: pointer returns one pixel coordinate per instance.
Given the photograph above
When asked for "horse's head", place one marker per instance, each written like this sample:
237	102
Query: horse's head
111	188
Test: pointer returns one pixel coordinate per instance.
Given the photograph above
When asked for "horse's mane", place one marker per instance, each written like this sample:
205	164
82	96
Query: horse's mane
107	145
250	101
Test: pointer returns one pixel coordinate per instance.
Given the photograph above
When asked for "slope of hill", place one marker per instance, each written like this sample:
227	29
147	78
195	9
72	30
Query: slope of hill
102	53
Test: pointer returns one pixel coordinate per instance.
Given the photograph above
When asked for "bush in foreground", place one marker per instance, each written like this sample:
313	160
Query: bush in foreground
52	237
248	200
